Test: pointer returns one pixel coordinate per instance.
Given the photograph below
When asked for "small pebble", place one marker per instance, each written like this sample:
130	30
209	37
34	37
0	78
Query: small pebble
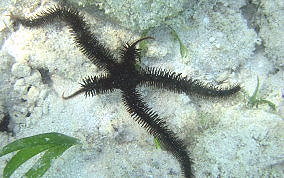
217	45
211	39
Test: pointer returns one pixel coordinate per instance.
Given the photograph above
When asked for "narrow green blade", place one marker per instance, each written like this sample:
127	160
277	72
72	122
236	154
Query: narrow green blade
22	156
44	163
253	98
182	48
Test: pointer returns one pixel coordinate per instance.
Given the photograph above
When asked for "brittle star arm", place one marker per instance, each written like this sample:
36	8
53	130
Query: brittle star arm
150	120
80	30
155	77
129	53
94	85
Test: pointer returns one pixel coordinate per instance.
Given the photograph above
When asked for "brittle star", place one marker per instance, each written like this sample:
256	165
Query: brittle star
126	76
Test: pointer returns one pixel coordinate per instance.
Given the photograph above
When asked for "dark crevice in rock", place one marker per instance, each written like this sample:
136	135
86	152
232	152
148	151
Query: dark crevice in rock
45	76
250	13
4	123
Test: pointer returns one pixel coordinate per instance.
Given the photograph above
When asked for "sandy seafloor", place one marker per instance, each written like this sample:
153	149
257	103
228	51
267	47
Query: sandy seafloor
227	41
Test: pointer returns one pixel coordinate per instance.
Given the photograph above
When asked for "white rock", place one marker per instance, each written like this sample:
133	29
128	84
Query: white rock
34	79
33	93
20	86
20	70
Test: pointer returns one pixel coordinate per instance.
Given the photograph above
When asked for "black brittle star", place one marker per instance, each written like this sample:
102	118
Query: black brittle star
126	76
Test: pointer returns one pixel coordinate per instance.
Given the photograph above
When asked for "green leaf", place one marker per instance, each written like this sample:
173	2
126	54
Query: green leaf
270	104
159	144
44	163
41	139
54	143
22	156
253	99
182	48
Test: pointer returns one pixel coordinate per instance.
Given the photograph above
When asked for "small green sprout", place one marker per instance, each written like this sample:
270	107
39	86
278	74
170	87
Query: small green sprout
158	144
255	101
54	145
